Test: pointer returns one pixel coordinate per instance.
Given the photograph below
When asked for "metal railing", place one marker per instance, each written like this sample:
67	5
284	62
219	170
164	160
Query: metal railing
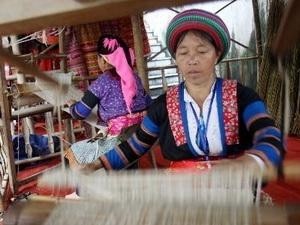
227	74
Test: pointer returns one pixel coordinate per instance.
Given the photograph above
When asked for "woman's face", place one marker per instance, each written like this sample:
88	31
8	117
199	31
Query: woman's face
103	65
196	58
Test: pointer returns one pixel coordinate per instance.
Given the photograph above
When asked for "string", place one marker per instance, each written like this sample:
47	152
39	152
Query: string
18	134
49	92
201	135
35	36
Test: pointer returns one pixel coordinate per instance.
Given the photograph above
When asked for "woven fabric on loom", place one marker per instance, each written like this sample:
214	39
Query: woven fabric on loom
59	93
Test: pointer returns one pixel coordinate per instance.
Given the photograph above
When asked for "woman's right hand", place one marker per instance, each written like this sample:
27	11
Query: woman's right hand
71	102
91	167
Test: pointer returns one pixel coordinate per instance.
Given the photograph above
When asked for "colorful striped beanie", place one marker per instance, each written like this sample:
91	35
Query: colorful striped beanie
197	19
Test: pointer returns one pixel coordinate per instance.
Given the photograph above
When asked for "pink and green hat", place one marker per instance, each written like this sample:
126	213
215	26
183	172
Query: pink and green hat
197	19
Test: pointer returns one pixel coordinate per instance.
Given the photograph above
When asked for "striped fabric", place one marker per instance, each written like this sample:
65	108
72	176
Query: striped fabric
196	19
116	125
267	138
82	109
131	150
88	35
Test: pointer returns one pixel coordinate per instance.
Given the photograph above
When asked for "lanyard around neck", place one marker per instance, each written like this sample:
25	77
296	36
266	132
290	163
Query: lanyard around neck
201	136
201	111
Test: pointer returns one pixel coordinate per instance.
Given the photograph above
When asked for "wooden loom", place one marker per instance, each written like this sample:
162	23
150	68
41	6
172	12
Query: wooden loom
155	198
56	92
75	12
30	15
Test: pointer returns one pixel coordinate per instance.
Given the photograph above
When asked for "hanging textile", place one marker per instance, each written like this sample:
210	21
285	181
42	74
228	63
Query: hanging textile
81	43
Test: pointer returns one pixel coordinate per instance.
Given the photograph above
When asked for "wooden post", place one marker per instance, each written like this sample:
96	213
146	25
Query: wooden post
7	139
63	61
242	76
164	81
68	127
228	71
259	48
138	47
27	123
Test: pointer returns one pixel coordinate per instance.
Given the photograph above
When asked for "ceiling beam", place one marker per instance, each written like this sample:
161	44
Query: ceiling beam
17	17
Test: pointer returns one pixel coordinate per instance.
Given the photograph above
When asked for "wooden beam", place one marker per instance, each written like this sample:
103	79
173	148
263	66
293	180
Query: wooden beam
37	158
31	111
258	35
139	50
30	15
26	100
289	29
28	88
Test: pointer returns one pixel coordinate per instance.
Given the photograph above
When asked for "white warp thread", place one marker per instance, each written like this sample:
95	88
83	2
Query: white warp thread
58	95
222	195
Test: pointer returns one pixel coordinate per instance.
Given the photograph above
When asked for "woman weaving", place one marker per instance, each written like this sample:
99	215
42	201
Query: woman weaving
205	118
120	97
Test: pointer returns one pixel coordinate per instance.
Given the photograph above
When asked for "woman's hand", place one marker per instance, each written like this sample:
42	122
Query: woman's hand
91	167
246	161
71	102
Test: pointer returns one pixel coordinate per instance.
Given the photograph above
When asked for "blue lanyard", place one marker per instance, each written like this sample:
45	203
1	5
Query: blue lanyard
201	136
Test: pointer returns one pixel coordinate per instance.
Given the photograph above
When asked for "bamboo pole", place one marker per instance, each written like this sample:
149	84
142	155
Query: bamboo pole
138	47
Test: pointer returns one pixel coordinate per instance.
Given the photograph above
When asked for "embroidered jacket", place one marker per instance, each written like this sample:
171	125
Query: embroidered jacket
244	123
105	92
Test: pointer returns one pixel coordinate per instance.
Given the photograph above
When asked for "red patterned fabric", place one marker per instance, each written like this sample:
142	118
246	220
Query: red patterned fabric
230	112
88	35
190	165
175	116
81	44
49	64
116	125
76	62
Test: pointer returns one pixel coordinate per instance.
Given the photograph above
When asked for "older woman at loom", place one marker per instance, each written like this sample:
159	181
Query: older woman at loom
205	119
120	97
